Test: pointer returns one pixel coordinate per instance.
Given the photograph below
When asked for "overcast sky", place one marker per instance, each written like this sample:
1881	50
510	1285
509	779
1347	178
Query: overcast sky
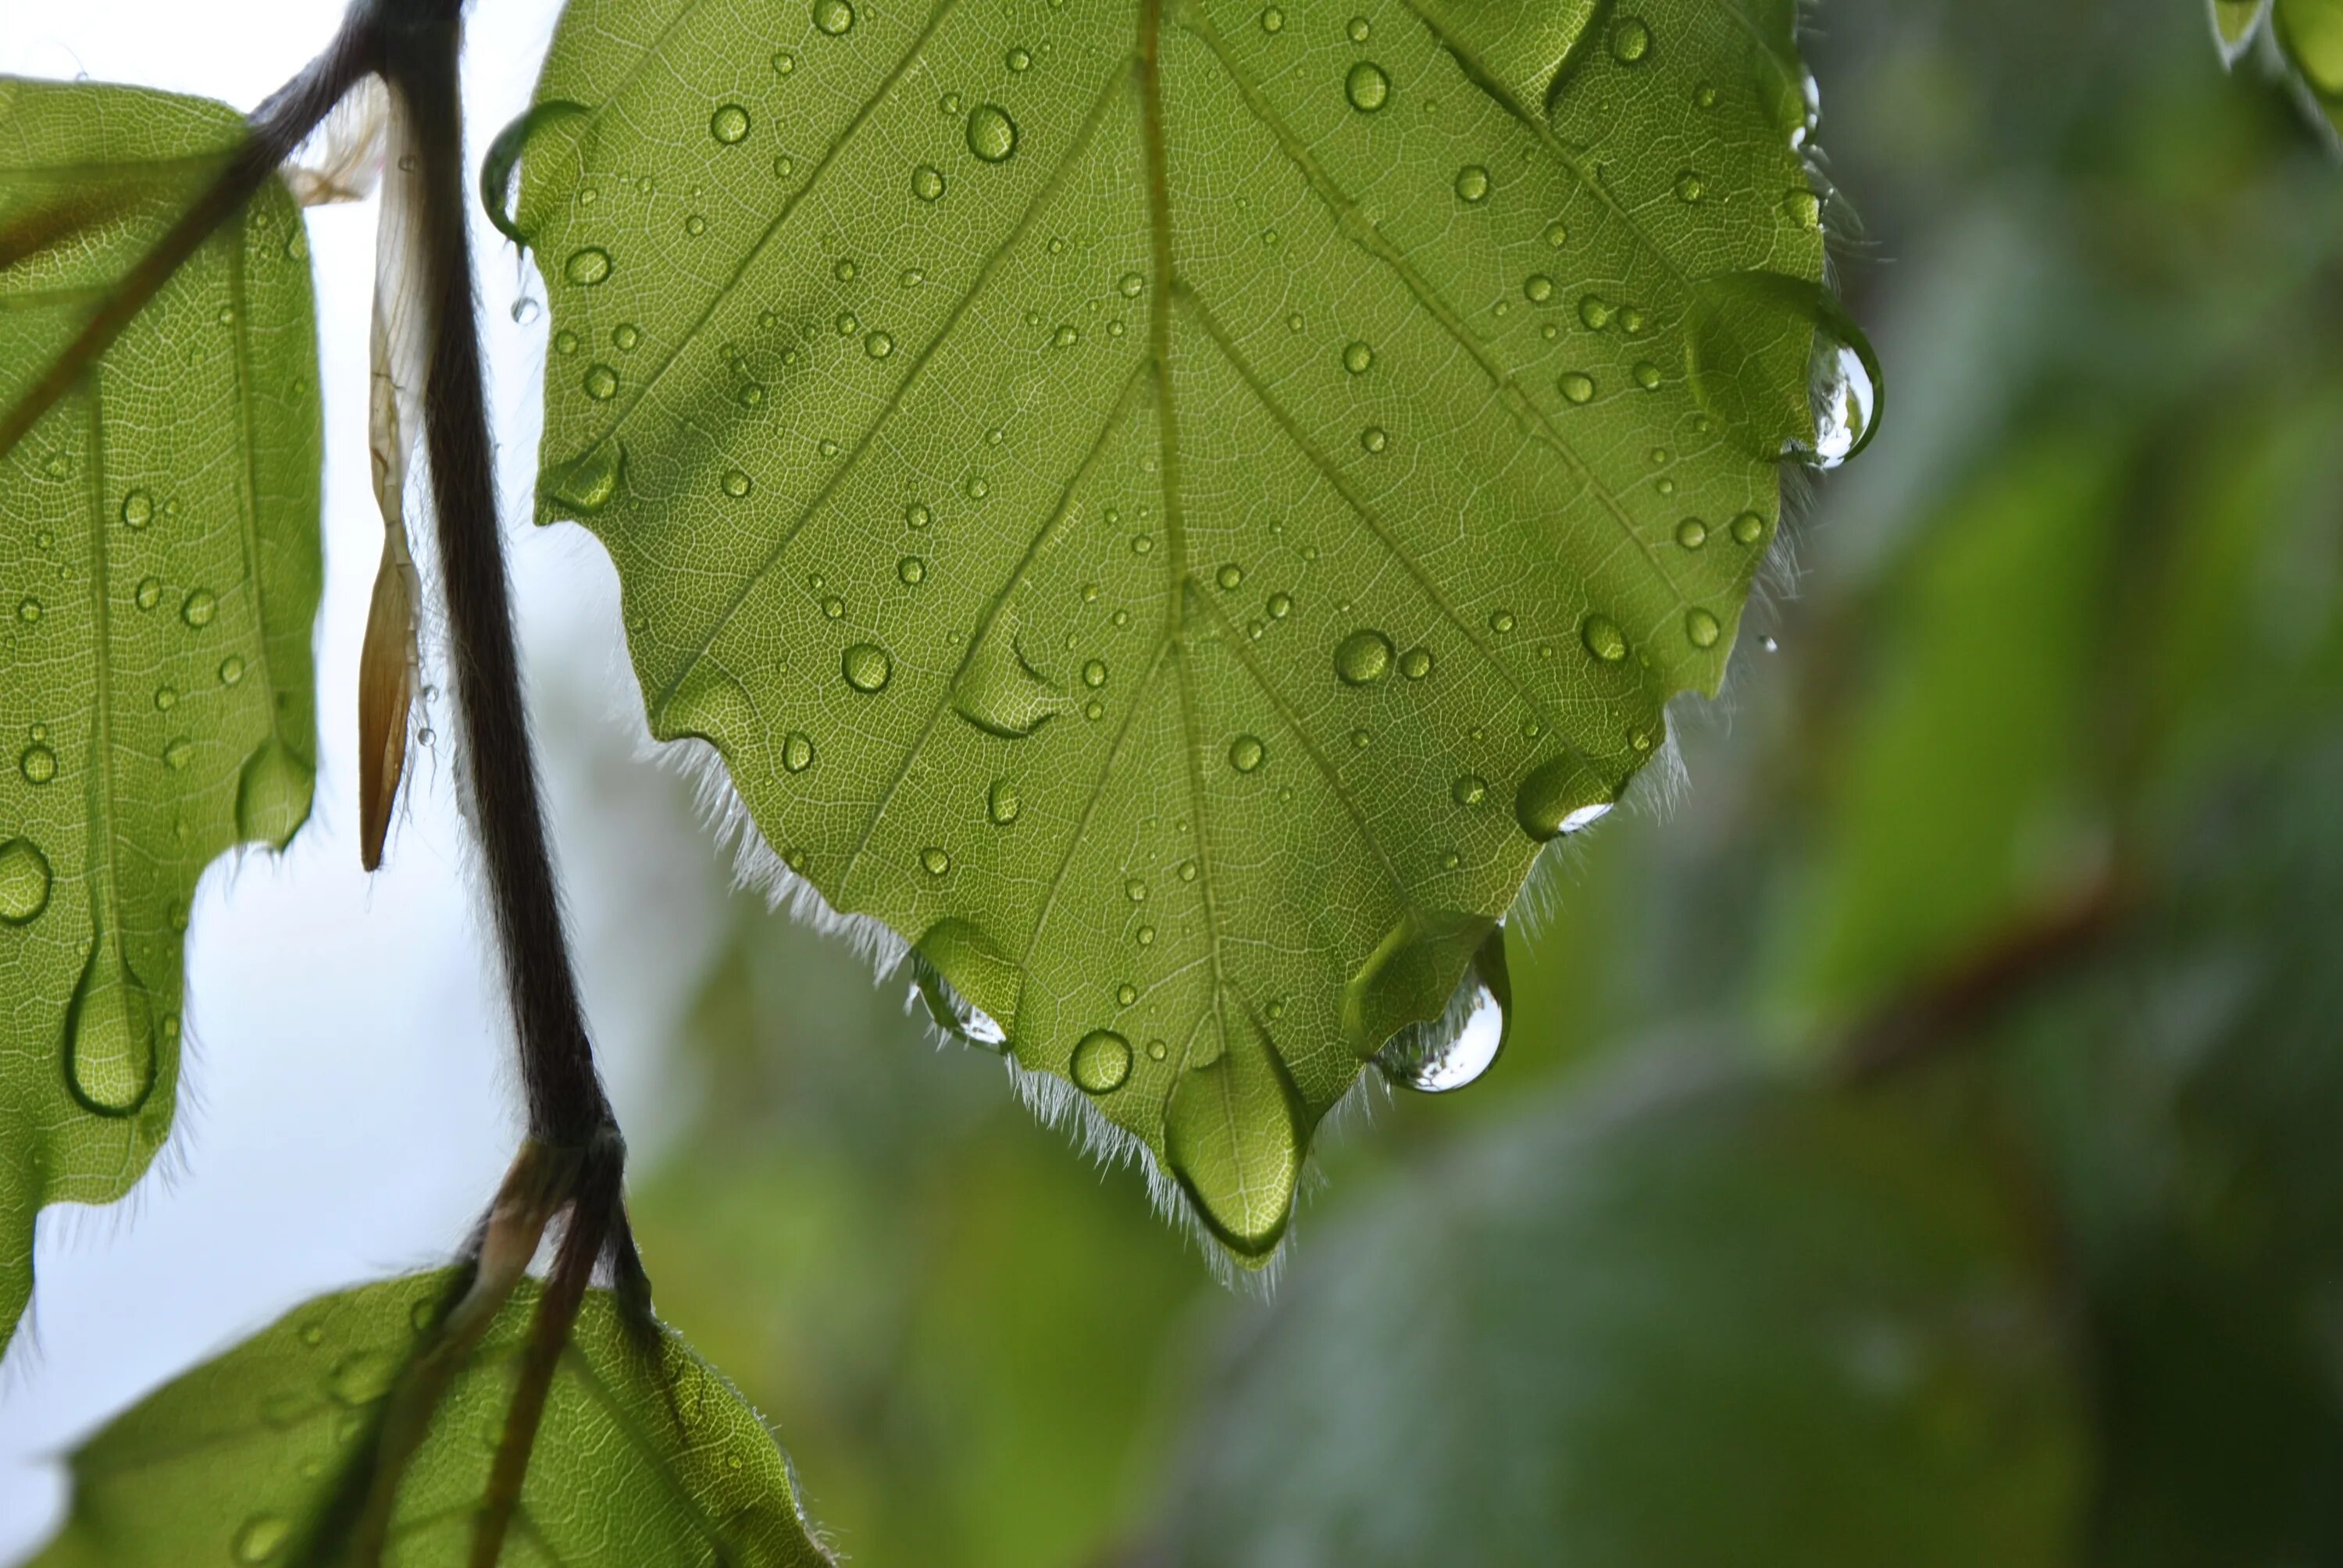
346	1106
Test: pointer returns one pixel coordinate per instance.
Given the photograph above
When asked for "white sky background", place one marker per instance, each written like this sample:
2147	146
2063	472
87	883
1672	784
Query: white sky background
346	1103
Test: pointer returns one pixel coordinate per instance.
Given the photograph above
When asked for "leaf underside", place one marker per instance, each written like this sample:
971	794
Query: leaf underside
232	1461
1167	512
159	572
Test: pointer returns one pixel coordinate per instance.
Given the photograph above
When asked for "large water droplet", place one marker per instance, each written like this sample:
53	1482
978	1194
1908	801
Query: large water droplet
1783	368
999	692
729	125
1367	88
1562	795
1102	1061
1459	1048
1363	658
24	883
272	795
584	485
867	666
587	266
992	133
1232	1139
962	946
109	1033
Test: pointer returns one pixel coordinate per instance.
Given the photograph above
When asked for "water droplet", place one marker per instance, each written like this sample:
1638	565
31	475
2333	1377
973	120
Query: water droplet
935	859
999	692
729	125
1102	1061
1230	576
834	16
24	882
797	751
784	63
1603	637
1647	375
272	795
1066	336
601	382
1748	529
1363	658
736	484
1692	533
109	1033
833	606
199	609
565	341
1472	184
1561	795
166	698
878	346
1272	20
1358	358
751	395
866	666
1691	186
587	266
525	310
1701	628
1002	802
1135	890
28	610
584	484
927	182
992	133
1429	1067
1367	88
1019	60
1631	41
1415	663
910	570
1537	288
1501	621
1280	606
917	516
149	592
1094	674
38	764
1469	789
1246	753
1803	207
361	1377
260	1538
1373	439
1577	387
137	509
1783	367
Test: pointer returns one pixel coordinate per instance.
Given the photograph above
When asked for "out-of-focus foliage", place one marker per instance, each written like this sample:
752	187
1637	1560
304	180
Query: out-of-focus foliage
2072	624
159	573
642	1458
2301	39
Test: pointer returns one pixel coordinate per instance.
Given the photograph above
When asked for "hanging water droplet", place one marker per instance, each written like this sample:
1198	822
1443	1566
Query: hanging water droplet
137	509
797	751
199	608
1246	753
992	133
1367	88
587	266
24	882
1561	795
584	484
1472	184
1783	368
834	16
729	125
1001	803
38	764
1363	658
1441	1069
109	1033
1701	628
1102	1061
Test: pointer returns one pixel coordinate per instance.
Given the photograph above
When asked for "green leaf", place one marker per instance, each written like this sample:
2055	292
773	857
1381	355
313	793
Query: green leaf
2237	23
160	571
2310	32
1166	508
1689	1318
633	1463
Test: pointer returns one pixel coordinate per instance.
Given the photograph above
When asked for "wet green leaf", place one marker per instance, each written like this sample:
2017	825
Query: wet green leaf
633	1463
2306	35
1687	1318
1165	508
159	572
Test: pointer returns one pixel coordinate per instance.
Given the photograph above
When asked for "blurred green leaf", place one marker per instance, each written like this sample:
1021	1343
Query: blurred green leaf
1167	512
635	1464
1690	1318
159	573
